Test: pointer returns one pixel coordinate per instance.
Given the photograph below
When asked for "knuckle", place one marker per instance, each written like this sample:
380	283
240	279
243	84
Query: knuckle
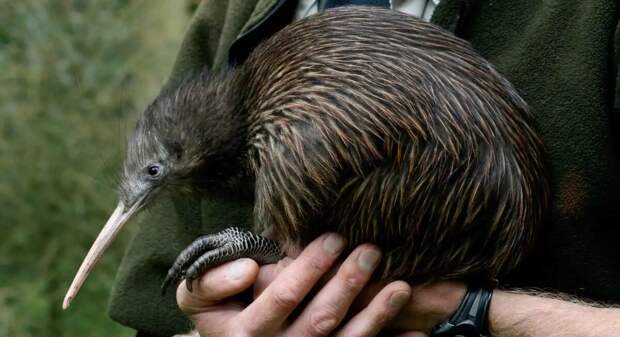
317	264
382	317
352	283
285	297
351	278
322	322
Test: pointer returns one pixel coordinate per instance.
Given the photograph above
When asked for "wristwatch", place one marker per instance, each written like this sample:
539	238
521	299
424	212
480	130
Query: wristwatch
470	319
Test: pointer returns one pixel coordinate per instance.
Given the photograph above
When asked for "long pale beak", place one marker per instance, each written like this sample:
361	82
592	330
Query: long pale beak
118	218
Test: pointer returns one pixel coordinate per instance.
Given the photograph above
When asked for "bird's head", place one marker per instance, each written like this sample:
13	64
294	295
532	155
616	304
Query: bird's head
189	136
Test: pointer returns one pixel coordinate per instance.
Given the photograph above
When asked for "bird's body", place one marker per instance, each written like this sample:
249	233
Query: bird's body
389	130
366	122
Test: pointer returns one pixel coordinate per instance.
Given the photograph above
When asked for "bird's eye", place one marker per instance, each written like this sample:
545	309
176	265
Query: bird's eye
154	170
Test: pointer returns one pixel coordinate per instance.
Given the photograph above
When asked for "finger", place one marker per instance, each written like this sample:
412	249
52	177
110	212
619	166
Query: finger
327	309
216	285
381	309
430	305
267	313
367	294
268	274
209	306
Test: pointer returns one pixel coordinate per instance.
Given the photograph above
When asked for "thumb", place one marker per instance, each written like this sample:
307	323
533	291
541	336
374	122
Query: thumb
215	286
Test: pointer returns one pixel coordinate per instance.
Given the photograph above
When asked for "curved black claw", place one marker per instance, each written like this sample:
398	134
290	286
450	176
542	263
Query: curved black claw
170	279
177	272
211	250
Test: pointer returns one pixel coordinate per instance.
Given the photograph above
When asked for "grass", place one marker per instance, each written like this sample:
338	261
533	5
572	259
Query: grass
73	75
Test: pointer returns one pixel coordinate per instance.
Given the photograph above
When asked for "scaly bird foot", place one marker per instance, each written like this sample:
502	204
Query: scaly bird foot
211	250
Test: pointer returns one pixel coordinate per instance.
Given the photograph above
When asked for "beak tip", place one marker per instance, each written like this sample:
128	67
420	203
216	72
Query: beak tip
66	302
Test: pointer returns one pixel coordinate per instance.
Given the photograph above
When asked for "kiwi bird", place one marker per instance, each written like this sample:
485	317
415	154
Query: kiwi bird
362	121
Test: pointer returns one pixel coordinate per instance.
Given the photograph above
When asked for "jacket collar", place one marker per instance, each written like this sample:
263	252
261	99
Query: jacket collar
280	15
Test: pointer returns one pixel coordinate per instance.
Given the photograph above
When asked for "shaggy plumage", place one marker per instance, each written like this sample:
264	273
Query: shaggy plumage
366	122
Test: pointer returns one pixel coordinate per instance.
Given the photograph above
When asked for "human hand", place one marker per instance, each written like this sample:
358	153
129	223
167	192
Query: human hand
429	305
215	310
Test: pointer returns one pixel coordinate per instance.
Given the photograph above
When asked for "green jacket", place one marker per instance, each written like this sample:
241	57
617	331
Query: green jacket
559	54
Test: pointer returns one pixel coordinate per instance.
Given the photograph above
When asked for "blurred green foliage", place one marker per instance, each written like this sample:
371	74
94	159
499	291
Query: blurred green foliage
73	76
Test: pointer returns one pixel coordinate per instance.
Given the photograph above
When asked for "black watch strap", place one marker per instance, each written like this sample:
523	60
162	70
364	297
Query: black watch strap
470	319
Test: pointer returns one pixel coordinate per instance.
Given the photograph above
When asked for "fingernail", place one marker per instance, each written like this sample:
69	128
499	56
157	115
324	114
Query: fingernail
237	269
333	244
398	300
368	259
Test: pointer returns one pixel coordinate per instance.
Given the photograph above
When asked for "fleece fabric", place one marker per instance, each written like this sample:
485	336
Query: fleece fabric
562	56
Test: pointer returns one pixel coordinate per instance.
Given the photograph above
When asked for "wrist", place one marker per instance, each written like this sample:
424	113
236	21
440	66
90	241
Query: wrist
430	305
498	302
470	318
509	309
448	302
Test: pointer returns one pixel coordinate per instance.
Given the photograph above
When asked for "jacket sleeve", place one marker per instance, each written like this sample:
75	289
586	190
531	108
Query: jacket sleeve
214	27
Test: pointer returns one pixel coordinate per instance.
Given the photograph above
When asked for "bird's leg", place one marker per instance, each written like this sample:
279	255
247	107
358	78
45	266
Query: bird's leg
214	249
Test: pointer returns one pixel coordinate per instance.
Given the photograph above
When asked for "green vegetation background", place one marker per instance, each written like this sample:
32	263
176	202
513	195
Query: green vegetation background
73	76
